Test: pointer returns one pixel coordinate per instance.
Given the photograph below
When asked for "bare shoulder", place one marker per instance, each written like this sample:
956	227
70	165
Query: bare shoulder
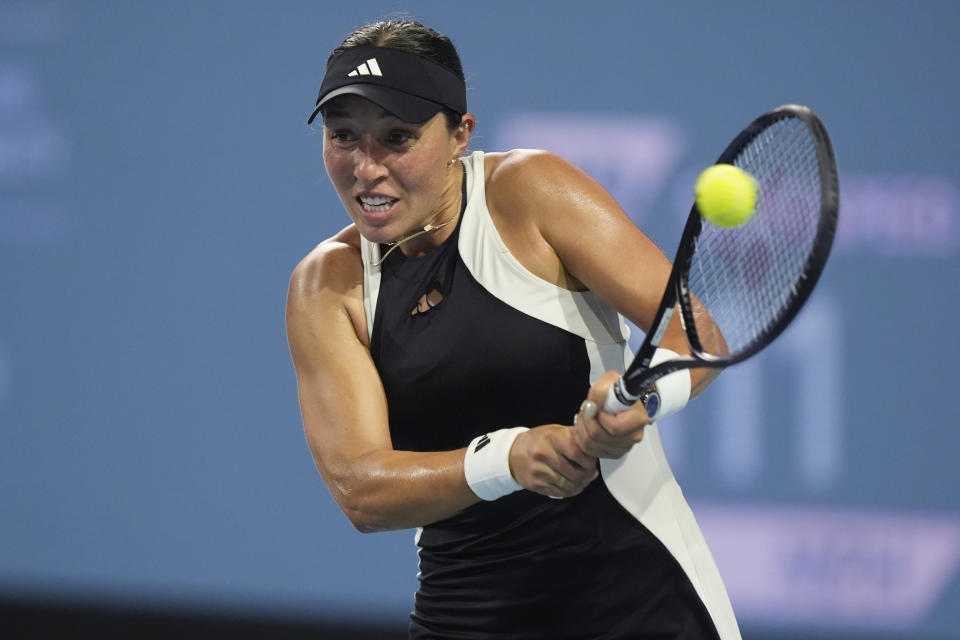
531	171
327	285
543	185
334	263
543	205
524	162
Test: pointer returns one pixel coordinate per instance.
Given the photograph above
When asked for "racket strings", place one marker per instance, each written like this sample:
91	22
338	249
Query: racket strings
747	276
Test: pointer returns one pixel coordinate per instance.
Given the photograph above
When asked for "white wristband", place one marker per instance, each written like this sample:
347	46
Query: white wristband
674	388
487	464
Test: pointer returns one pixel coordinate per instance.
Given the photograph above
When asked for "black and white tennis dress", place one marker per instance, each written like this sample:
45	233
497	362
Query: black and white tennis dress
624	559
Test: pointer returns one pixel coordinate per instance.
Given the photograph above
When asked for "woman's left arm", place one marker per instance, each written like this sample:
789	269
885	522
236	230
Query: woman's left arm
597	247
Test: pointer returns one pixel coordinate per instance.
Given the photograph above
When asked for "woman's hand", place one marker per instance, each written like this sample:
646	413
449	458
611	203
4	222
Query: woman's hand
607	435
548	461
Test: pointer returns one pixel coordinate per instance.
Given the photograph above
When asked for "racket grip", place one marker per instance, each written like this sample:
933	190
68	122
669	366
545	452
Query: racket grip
613	403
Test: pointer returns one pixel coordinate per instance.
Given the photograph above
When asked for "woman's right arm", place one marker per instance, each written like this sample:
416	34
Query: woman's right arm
344	410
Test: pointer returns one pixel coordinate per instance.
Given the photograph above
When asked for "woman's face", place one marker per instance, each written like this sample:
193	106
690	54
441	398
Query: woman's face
392	176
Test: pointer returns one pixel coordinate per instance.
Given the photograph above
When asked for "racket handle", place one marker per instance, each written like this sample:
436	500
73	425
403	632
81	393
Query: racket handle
616	395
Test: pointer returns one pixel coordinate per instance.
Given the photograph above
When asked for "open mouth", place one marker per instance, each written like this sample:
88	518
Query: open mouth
376	204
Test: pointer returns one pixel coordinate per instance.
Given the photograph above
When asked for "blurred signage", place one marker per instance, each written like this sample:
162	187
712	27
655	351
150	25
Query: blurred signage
34	151
823	566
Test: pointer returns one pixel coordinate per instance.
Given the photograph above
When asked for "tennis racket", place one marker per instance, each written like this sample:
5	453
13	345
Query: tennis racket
738	288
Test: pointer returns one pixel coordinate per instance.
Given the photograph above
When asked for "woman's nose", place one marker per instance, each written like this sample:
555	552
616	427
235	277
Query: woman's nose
369	161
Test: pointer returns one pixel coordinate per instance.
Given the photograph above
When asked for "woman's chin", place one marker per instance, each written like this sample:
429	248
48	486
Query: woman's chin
379	234
377	226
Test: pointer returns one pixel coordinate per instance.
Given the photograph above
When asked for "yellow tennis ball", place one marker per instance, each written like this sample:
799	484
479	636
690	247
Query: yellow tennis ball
726	195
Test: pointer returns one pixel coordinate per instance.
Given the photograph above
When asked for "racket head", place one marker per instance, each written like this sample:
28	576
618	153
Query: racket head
738	288
751	281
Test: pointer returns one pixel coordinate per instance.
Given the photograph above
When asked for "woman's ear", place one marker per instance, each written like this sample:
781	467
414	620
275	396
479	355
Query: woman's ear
463	132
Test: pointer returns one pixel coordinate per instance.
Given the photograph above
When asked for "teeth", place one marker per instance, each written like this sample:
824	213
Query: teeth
376	203
376	200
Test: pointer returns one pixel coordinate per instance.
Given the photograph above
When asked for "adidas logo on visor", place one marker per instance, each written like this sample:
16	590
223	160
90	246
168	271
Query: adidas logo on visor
368	68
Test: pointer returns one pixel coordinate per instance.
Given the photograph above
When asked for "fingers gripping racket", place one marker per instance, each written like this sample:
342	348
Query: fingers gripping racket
738	288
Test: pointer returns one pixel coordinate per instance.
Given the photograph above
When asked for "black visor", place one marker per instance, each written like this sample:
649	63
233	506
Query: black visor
410	87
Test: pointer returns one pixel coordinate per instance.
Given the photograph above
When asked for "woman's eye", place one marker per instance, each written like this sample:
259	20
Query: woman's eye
341	136
398	138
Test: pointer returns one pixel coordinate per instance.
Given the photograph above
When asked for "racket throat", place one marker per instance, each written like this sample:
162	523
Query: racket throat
661	329
623	396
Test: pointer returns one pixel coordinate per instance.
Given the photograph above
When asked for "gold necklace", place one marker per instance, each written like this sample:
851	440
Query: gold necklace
415	234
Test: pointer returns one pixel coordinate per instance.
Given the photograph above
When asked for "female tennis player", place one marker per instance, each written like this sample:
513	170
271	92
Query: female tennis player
447	338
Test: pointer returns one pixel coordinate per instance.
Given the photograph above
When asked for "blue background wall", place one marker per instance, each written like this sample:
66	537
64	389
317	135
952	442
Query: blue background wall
158	184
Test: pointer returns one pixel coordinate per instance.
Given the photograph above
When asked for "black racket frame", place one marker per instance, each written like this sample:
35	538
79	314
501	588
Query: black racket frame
640	376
